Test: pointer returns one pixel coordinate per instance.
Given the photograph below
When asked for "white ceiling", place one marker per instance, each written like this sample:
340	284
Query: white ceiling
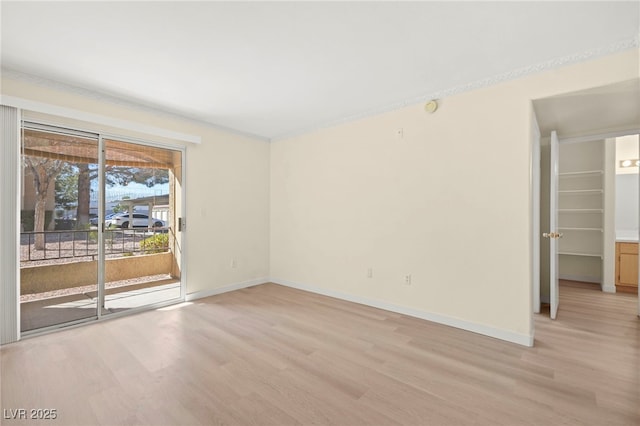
615	107
278	69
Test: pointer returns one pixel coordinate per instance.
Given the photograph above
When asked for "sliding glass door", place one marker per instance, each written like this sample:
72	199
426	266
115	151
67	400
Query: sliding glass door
100	226
142	206
58	247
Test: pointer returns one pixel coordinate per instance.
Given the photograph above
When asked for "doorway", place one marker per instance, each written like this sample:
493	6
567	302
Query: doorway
99	226
626	201
589	115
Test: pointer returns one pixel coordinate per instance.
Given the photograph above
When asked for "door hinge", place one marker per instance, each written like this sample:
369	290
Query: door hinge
182	224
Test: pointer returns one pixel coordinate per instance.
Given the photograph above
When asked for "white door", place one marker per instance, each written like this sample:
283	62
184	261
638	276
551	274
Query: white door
553	235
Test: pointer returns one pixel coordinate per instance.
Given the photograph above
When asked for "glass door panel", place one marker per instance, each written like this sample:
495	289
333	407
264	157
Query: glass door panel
58	241
141	237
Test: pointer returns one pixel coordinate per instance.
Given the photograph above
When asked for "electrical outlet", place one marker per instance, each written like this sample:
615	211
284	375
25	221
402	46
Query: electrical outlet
400	133
234	264
370	273
407	279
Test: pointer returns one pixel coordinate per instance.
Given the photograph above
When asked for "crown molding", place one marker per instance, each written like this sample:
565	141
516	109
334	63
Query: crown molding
621	46
56	110
114	100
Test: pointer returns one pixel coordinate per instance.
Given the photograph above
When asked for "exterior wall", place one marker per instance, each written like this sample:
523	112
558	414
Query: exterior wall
38	279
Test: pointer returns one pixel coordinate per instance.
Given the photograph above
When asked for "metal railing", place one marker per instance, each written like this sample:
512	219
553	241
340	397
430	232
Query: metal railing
84	243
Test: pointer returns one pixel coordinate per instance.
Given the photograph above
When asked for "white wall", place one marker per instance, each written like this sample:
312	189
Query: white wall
627	204
627	188
449	203
627	149
227	190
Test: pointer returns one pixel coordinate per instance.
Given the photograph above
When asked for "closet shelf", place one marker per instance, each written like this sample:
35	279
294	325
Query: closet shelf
581	229
581	191
581	174
575	253
580	211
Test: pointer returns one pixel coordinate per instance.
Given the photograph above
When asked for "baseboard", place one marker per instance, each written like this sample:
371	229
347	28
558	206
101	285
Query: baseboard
219	290
581	278
545	299
509	336
626	289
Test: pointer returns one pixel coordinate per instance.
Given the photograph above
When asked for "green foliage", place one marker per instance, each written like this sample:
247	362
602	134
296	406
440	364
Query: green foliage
157	243
124	175
118	208
91	234
27	218
67	186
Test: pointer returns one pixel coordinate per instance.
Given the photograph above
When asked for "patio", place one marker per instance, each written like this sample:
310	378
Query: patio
61	309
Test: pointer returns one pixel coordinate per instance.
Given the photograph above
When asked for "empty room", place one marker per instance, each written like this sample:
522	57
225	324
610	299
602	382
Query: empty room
338	213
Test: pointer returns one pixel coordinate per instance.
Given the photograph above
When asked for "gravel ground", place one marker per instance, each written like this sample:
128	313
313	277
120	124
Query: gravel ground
67	247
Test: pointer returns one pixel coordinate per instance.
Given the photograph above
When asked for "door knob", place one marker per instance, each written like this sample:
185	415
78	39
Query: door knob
553	235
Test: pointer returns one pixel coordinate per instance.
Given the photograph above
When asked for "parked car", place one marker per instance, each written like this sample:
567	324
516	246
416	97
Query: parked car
140	220
94	220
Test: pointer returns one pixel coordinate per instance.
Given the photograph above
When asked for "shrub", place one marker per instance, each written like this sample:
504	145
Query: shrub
157	243
27	218
92	235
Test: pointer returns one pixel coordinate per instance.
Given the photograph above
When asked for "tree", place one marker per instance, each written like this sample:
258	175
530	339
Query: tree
125	175
44	172
73	189
67	187
73	185
84	194
118	208
114	175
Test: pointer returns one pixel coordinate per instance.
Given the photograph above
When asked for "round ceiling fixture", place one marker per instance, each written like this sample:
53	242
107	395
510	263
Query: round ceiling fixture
431	106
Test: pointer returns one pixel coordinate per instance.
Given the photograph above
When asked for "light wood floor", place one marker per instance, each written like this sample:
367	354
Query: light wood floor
274	355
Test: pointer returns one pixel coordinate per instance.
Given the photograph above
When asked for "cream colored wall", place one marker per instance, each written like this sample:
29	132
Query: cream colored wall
449	203
227	190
